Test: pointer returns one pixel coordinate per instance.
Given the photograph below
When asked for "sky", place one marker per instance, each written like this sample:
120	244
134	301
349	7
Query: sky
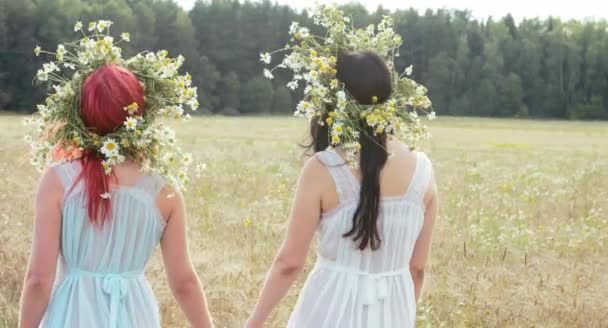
579	9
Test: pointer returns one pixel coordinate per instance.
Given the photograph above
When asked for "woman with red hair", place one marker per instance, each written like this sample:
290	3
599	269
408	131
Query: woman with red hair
104	243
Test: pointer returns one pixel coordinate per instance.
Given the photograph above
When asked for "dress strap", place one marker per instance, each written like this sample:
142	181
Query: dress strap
68	174
152	184
347	186
421	178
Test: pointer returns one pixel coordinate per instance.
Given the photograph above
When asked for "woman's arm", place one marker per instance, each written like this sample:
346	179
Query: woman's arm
45	249
183	280
291	258
423	244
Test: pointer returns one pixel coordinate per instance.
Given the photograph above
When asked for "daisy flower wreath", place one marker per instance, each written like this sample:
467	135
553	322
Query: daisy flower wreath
59	127
312	60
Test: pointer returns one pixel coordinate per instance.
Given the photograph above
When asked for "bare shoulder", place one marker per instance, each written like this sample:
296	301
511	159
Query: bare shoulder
50	188
314	173
169	200
402	151
50	181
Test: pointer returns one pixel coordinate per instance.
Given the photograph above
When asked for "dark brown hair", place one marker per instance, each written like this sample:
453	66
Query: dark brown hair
365	76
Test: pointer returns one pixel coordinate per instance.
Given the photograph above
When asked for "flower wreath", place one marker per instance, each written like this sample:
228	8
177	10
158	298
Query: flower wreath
312	59
61	134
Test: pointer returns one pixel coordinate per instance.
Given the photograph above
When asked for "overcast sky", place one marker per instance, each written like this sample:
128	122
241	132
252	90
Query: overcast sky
580	9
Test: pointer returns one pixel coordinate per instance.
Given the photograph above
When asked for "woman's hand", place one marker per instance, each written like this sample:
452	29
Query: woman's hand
291	258
183	279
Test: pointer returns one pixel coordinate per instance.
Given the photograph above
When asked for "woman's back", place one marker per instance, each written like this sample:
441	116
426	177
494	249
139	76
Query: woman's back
366	288
100	281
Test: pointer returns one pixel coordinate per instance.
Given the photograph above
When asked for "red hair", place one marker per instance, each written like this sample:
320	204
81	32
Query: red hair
104	95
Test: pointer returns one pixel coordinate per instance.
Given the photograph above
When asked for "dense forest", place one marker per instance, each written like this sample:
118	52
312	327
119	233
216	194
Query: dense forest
544	68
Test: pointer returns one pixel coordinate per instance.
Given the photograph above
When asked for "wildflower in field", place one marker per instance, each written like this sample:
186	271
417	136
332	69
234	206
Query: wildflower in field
198	170
125	37
78	26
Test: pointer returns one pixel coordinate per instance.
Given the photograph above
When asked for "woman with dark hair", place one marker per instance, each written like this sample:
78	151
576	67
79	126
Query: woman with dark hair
374	221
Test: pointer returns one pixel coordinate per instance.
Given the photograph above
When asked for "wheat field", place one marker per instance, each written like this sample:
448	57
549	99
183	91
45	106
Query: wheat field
521	241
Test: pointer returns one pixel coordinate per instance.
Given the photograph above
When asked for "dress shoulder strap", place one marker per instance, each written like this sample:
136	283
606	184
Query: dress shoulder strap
421	178
347	186
68	173
152	184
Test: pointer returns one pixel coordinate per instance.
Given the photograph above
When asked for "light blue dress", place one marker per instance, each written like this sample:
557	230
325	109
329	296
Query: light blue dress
100	281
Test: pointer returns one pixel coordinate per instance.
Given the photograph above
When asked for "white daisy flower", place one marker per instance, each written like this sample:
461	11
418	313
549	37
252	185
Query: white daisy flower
125	37
293	28
70	66
117	159
60	52
107	167
37	51
341	100
187	159
265	58
304	32
292	85
110	147
131	123
103	24
408	70
42	75
268	74
78	26
169	158
431	116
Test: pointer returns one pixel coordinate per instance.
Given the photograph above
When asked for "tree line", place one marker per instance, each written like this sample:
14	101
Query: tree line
542	68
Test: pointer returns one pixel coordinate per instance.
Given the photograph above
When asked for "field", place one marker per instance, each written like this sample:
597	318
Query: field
522	238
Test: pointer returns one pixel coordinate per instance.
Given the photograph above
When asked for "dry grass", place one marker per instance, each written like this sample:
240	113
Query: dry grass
522	240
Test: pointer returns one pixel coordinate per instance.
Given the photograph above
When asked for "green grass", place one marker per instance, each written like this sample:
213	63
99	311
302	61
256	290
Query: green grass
522	238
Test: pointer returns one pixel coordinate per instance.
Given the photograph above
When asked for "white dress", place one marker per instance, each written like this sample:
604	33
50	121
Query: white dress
364	289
